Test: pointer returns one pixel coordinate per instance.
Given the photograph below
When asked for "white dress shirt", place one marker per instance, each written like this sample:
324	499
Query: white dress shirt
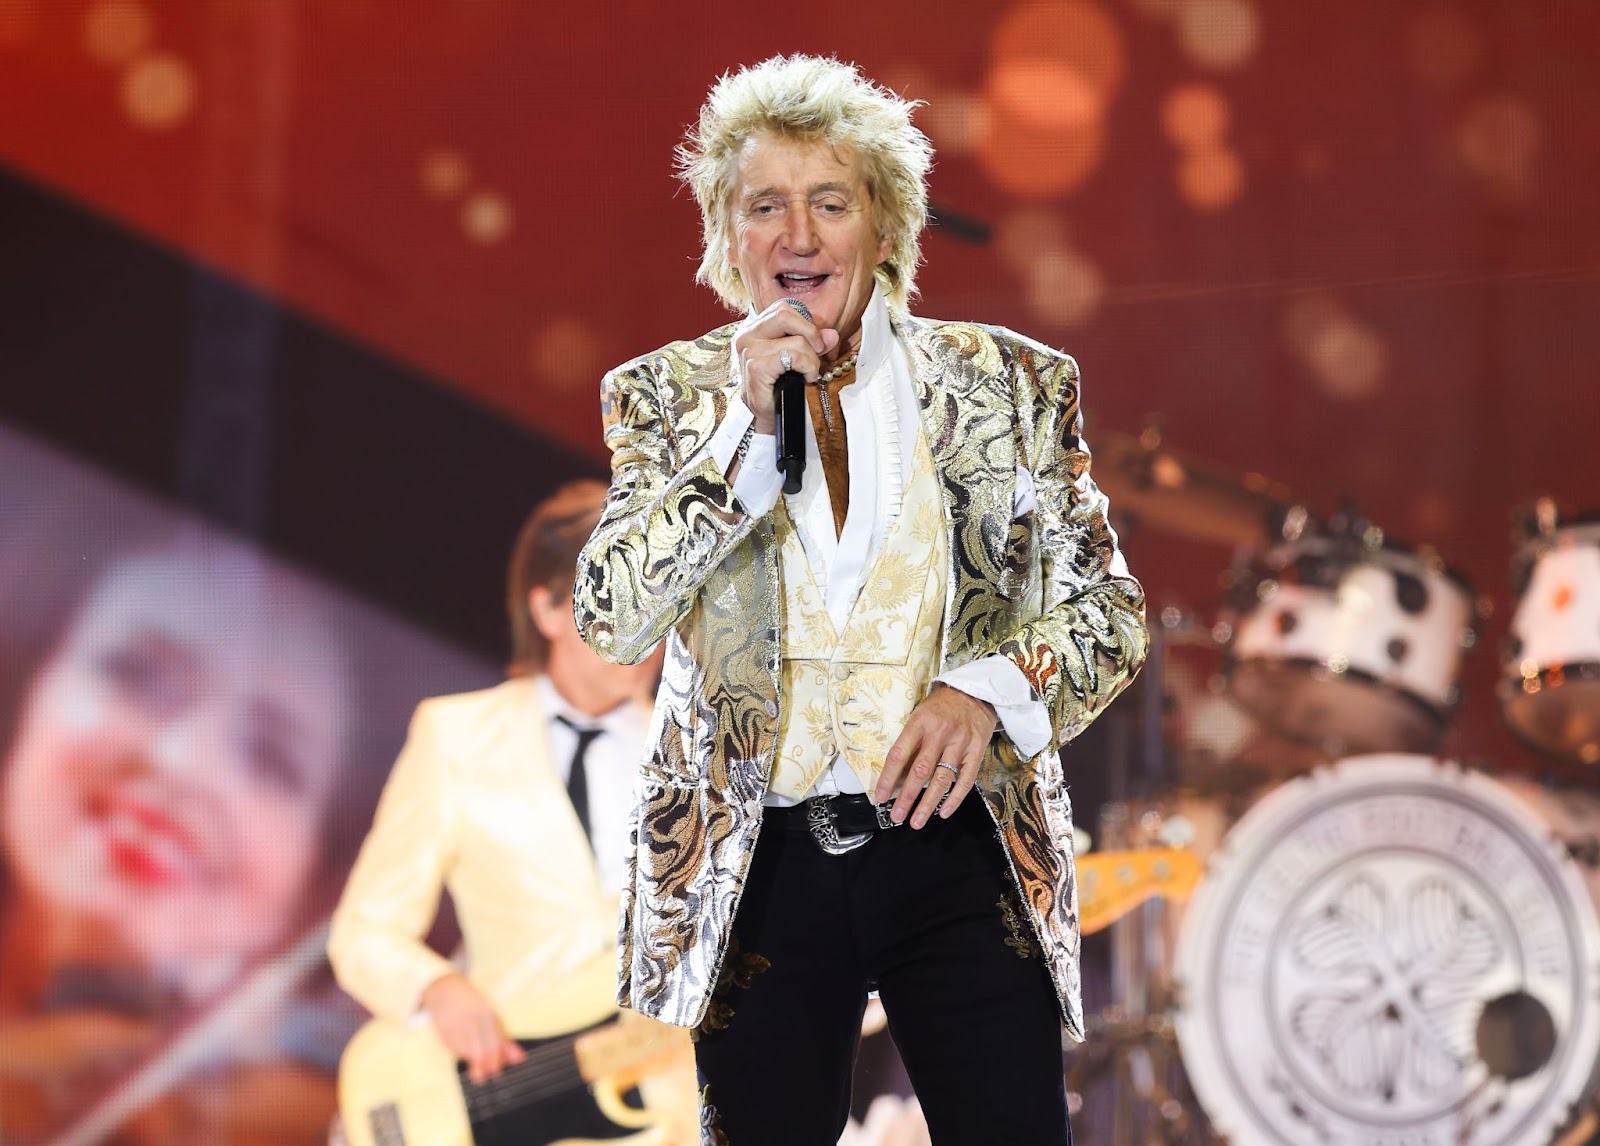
880	411
610	767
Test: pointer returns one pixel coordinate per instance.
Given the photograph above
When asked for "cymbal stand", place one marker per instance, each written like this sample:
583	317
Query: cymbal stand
1141	1056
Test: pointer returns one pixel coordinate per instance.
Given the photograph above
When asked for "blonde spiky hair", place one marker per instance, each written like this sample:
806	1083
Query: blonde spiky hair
809	98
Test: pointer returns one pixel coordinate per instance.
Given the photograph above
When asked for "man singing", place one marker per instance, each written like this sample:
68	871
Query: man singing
939	609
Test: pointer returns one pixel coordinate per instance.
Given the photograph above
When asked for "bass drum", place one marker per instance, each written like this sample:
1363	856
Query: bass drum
1350	647
1394	952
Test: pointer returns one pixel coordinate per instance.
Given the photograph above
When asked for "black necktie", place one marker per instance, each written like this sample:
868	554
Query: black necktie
577	777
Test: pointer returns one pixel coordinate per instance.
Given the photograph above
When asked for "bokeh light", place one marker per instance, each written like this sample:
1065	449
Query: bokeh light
1219	34
444	173
486	217
1079	35
1499	141
1023	234
1348	359
566	353
1210	179
1064	288
1305	317
1055	67
1047	95
116	31
1195	116
1036	164
957	121
159	91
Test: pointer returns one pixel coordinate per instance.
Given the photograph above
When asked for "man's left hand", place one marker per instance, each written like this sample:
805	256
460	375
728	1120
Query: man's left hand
942	747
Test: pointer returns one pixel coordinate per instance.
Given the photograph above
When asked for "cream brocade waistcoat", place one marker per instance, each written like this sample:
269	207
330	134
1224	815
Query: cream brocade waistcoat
850	693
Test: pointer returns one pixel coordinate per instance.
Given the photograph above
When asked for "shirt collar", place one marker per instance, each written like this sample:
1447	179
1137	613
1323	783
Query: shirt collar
876	334
555	705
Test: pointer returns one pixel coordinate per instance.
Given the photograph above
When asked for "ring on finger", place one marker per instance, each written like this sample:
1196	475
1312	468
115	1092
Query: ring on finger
954	771
785	360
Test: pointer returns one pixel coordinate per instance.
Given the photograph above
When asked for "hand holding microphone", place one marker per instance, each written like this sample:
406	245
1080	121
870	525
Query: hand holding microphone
777	351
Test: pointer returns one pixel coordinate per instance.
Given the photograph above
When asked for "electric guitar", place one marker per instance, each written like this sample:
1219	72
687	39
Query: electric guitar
592	1075
1111	884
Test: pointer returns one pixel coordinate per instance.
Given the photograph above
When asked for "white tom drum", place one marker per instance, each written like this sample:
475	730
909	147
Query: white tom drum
1351	647
1395	952
1550	683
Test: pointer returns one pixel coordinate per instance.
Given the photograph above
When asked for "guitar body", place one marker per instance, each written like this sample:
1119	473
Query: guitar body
389	1064
400	1086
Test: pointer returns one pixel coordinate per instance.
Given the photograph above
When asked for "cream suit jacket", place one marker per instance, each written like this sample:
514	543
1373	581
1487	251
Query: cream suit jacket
676	555
473	805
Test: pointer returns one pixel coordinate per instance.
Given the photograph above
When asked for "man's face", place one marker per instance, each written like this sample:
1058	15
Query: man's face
804	227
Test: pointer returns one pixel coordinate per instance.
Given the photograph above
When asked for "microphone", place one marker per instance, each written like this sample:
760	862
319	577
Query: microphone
789	394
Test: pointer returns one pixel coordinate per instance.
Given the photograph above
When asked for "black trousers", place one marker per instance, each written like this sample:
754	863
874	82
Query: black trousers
931	918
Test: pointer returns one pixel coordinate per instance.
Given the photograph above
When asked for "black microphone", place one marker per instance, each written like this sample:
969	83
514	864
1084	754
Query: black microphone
789	396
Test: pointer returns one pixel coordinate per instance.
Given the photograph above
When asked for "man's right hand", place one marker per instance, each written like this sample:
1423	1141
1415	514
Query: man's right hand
758	347
468	1026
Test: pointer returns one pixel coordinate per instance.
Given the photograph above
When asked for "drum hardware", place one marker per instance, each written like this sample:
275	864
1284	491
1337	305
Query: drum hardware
1136	1059
1162	488
1132	1059
1550	662
1142	1076
1584	1131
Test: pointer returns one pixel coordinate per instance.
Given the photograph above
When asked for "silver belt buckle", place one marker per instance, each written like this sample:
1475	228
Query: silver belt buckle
825	830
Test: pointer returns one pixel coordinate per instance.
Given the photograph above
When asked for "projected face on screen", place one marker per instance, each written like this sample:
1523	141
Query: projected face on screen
174	758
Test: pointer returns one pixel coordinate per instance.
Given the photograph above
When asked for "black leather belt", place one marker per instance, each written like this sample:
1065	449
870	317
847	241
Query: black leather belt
838	824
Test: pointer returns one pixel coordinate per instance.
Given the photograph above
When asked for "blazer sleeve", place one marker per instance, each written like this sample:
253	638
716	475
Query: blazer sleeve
665	527
375	942
1090	639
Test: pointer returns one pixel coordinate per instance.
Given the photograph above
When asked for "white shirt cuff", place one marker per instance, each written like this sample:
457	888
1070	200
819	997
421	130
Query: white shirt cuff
758	483
997	679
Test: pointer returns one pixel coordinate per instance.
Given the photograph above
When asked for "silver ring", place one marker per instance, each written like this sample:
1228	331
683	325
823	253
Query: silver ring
953	769
785	361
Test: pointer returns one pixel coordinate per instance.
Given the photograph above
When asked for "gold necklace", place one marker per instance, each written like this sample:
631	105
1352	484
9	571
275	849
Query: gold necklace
840	368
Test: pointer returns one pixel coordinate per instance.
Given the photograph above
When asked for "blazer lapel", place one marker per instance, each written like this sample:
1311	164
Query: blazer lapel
968	417
526	763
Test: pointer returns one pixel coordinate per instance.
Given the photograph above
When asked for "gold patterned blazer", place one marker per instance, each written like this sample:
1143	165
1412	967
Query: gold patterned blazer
675	555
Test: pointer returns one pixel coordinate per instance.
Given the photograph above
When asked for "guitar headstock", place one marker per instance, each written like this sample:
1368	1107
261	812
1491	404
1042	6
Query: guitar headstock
1111	884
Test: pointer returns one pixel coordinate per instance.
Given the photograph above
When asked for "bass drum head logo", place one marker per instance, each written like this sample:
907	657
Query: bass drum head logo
1390	952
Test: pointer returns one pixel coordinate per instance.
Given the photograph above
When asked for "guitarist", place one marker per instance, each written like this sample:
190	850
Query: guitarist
516	799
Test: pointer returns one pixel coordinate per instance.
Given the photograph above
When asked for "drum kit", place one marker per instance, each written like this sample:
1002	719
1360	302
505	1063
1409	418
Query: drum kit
1385	948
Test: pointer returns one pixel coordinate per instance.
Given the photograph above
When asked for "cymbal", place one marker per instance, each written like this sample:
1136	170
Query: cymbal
1163	489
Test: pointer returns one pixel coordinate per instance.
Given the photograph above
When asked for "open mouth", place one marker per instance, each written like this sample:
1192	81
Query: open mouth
794	283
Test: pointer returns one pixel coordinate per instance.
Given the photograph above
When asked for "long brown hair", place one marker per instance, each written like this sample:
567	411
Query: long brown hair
546	556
